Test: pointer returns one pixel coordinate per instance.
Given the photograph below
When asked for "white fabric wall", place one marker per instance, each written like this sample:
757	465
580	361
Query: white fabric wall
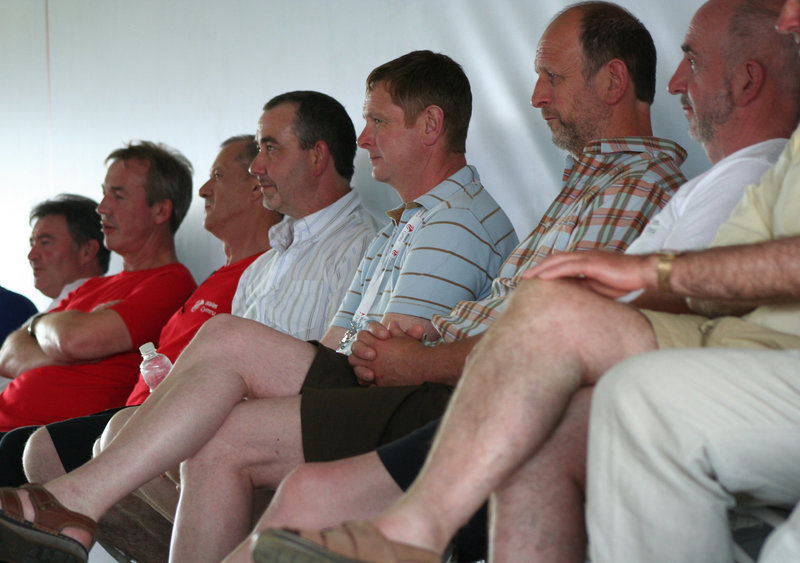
193	73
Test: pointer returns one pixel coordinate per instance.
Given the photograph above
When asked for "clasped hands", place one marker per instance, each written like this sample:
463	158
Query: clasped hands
386	355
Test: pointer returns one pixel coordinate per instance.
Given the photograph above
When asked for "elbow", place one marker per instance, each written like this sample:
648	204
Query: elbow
70	347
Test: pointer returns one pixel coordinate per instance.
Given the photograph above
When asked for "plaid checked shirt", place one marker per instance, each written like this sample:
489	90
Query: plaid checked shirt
609	195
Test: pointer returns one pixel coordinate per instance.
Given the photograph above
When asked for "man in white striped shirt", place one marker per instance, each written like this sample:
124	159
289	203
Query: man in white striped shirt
449	236
296	287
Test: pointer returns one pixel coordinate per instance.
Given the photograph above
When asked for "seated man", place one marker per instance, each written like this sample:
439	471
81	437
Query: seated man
66	245
66	248
234	214
445	244
317	245
82	356
637	175
556	339
742	139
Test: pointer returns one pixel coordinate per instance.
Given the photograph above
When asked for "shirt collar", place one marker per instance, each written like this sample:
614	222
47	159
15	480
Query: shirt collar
290	230
441	192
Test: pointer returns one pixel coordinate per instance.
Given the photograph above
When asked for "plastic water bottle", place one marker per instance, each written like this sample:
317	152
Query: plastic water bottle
154	367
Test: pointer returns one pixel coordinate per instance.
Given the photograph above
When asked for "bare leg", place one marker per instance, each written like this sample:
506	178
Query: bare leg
259	444
319	495
40	459
555	338
225	362
538	510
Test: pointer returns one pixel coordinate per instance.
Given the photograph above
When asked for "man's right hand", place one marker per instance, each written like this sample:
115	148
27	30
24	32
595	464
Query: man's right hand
383	355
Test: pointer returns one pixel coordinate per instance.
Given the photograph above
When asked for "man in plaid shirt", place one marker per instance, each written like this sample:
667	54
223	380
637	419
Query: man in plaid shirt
520	413
596	102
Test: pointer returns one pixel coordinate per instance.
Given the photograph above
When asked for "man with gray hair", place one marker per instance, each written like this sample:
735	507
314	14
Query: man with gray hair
82	357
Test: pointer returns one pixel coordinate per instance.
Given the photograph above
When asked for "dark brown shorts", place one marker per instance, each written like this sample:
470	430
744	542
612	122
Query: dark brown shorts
340	418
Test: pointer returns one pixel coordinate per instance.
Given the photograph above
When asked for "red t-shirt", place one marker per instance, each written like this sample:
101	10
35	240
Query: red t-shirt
212	297
51	393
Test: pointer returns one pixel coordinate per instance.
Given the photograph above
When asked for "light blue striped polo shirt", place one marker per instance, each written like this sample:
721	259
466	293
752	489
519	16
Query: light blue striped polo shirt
454	255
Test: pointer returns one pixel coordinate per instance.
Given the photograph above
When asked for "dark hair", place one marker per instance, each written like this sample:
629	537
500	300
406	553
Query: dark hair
168	177
612	32
319	117
422	78
82	220
250	149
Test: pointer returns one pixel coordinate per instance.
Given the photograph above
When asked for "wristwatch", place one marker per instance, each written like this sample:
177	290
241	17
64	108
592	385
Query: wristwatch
32	324
664	271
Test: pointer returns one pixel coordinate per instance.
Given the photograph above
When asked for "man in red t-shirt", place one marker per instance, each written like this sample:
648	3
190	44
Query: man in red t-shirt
66	245
234	214
82	356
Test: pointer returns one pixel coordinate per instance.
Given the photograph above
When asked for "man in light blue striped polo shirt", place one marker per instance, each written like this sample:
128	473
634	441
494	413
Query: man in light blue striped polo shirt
445	244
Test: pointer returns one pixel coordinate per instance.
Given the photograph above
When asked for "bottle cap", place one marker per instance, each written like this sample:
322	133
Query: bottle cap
147	348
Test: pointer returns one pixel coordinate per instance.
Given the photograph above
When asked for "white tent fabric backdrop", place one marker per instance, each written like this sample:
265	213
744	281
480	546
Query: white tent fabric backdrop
81	77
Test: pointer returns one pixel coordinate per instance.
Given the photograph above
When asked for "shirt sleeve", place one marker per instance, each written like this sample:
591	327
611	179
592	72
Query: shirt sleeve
769	209
148	307
450	259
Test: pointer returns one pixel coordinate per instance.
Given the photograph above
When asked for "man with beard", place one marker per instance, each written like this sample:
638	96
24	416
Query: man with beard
616	178
736	88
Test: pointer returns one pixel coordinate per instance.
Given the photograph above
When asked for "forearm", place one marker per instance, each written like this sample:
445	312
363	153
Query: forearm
20	353
74	336
735	279
666	302
445	362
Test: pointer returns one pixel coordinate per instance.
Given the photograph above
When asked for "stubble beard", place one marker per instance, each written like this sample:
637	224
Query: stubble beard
705	125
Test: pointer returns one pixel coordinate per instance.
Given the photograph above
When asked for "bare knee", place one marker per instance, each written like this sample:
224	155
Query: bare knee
301	489
40	458
218	329
112	428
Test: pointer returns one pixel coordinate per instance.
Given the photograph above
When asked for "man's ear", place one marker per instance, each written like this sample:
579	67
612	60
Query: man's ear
161	211
747	80
320	155
612	81
88	251
432	118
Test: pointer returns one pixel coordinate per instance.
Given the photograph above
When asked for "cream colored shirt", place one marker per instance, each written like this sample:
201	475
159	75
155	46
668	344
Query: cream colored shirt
770	210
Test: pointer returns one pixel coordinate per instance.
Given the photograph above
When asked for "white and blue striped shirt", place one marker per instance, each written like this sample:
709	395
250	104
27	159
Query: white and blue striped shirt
297	286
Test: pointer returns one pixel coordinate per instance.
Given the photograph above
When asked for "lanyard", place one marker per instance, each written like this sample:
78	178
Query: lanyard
359	320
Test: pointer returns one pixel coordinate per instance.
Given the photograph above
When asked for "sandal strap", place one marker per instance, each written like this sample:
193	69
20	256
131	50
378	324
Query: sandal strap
11	503
54	516
362	541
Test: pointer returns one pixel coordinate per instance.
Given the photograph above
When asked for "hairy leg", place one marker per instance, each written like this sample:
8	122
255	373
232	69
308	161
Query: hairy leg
320	495
538	510
555	338
259	444
229	359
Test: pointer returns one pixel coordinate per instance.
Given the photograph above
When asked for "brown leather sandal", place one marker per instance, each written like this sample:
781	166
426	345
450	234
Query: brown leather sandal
40	540
352	542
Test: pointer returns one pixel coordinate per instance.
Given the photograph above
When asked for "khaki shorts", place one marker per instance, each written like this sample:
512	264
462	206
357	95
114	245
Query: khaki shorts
694	331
